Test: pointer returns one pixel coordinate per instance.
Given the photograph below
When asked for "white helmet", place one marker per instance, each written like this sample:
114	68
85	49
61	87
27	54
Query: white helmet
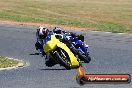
43	30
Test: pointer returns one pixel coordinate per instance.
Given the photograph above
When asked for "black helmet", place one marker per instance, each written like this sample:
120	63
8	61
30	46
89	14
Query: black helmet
73	34
81	37
57	30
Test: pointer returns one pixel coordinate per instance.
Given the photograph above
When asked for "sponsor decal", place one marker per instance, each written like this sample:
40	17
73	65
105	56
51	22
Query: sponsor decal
83	78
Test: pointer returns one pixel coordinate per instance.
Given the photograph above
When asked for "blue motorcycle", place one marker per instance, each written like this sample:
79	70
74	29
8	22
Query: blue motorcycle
77	46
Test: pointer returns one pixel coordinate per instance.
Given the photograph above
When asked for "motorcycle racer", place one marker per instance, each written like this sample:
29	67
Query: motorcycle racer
41	36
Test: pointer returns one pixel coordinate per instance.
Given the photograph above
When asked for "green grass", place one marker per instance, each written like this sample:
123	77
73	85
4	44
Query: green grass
103	15
5	62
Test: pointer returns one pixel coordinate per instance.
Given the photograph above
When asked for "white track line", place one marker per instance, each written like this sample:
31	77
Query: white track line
111	33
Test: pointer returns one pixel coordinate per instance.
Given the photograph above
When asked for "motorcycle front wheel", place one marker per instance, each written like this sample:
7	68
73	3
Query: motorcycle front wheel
62	58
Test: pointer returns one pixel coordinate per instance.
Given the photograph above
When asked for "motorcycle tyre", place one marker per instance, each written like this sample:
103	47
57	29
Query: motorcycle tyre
61	61
86	59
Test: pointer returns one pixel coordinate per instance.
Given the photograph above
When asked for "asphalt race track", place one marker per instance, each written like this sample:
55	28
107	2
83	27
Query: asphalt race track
111	53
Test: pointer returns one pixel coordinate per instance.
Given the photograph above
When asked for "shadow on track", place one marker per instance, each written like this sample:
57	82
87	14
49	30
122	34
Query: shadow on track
34	54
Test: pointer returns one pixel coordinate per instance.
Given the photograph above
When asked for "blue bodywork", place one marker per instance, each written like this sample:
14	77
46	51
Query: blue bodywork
80	46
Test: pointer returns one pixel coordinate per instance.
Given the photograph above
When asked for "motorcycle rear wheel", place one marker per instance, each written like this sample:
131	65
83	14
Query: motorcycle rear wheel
84	58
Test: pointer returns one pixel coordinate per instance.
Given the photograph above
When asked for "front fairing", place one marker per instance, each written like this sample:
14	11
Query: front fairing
72	58
51	43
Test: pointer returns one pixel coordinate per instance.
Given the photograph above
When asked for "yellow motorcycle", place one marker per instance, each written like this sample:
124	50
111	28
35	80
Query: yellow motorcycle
60	53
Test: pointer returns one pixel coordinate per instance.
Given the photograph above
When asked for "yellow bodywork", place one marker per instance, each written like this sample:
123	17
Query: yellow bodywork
73	59
53	43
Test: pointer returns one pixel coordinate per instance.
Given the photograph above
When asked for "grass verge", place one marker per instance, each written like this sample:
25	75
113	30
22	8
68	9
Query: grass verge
5	62
102	15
